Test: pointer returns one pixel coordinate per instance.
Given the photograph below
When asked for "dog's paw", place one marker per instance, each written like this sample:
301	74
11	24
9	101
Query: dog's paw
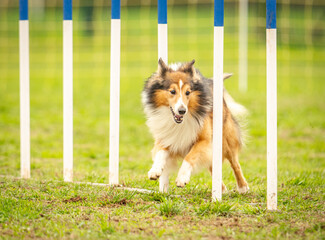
184	174
243	189
182	180
163	188
224	188
154	173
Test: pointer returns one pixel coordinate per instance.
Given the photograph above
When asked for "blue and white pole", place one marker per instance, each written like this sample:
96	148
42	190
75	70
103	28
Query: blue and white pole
271	78
217	100
67	91
163	54
24	89
115	93
162	31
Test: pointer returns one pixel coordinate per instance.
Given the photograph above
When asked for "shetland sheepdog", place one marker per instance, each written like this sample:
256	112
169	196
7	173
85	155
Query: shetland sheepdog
177	101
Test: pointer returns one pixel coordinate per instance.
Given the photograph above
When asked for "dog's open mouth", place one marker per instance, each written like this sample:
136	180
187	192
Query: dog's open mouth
177	118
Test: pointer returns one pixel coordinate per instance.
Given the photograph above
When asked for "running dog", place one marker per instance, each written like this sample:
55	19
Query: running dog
177	101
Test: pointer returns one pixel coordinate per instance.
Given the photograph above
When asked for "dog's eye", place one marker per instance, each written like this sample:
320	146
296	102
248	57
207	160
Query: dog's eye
187	93
173	92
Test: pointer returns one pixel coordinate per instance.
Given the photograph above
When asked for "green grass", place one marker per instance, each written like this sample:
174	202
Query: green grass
45	207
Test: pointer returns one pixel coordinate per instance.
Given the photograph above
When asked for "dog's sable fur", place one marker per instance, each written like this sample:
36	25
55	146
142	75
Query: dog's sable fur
178	102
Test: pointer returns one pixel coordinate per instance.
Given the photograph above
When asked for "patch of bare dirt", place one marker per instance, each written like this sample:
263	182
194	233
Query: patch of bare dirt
75	199
109	201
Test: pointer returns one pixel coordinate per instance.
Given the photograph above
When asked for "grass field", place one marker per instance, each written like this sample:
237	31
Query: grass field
45	207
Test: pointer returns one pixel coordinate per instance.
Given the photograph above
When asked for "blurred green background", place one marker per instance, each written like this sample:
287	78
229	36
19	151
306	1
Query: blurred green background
301	75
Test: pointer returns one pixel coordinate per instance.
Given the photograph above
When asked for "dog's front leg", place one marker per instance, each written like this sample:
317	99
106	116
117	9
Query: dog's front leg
160	156
164	181
199	154
170	165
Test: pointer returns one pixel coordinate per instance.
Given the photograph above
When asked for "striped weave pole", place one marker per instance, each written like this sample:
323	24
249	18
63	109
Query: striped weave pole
67	91
271	78
162	31
24	89
217	100
115	93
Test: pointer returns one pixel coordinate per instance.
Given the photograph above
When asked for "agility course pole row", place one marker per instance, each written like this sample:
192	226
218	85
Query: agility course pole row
271	102
218	47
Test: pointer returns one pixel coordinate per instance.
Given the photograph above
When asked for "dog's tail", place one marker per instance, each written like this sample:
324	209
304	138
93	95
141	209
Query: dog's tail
238	111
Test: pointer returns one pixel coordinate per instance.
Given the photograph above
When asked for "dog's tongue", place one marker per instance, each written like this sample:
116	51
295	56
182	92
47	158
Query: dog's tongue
179	117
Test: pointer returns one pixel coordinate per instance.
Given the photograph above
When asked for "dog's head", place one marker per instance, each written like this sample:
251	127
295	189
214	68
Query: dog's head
177	87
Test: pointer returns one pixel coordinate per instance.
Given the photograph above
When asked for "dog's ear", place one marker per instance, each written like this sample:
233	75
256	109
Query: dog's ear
226	75
188	67
162	67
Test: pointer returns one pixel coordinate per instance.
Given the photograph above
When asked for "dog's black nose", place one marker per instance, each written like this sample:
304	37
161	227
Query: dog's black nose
181	111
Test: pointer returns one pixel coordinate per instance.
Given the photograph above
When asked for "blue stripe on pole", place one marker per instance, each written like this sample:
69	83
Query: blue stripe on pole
116	9
23	9
162	11
67	9
270	14
218	13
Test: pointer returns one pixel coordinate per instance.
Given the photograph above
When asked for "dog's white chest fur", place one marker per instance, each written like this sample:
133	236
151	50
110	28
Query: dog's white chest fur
179	138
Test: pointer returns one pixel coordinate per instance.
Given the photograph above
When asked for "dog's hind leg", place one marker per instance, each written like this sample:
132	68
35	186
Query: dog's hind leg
160	156
242	185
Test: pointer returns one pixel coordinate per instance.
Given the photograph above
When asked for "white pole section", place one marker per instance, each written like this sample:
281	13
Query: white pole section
24	89
115	93
162	31
271	76
243	30
67	92
217	100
